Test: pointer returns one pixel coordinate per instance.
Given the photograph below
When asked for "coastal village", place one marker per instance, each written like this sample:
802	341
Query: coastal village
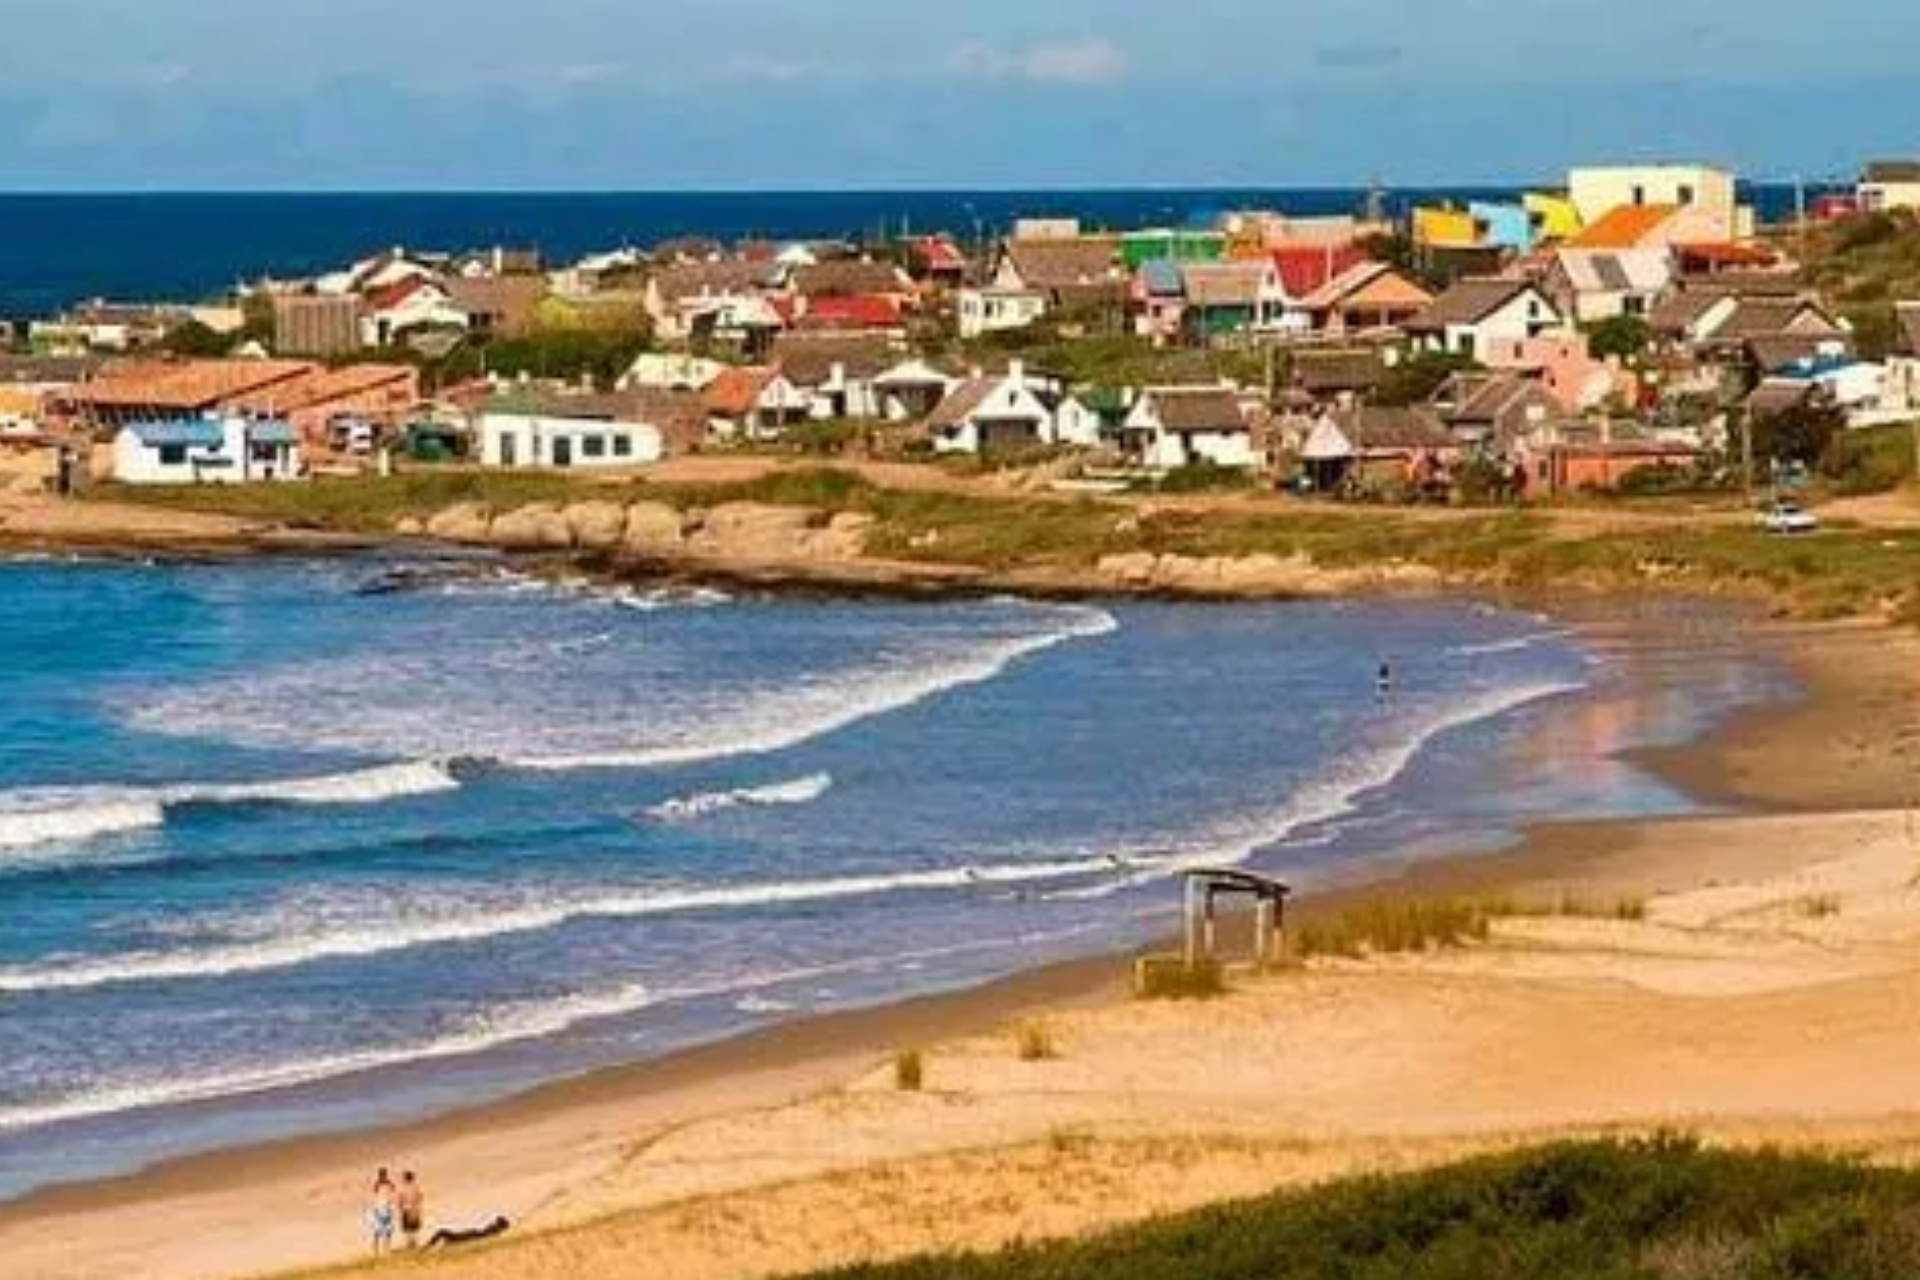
1635	328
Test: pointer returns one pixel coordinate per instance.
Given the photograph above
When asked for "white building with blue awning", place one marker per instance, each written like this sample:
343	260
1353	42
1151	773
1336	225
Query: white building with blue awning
233	450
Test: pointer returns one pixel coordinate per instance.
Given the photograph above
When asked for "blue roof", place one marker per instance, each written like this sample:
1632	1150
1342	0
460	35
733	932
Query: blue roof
1162	277
1817	366
271	433
156	435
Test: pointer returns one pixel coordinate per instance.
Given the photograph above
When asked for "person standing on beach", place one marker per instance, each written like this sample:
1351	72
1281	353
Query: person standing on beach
381	1213
413	1209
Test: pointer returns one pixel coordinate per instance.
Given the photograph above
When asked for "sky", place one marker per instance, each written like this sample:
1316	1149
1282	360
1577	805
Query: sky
783	94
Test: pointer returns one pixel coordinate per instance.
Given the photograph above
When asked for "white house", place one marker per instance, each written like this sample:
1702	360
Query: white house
1479	315
1711	195
1886	185
754	404
230	450
999	310
999	413
912	389
411	306
590	431
1173	427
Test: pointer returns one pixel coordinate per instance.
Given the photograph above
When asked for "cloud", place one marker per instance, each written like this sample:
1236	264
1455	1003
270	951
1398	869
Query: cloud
1091	61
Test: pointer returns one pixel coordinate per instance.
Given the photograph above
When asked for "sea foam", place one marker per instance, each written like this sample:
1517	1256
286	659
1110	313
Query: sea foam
702	804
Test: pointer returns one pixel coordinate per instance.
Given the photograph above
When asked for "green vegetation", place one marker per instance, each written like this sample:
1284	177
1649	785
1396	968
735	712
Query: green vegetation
1415	379
1865	264
1624	337
593	355
1871	461
1390	927
909	1070
1661	1209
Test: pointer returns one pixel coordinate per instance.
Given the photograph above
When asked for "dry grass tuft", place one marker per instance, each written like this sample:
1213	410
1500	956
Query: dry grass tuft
909	1070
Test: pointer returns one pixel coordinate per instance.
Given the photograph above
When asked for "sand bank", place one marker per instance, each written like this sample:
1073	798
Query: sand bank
1766	994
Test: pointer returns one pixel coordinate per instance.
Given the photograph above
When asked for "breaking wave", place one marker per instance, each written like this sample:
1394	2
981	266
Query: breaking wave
784	721
284	950
691	808
1516	644
42	818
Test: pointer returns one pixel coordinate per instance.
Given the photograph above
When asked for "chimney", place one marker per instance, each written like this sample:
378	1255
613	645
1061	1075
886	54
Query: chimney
1017	371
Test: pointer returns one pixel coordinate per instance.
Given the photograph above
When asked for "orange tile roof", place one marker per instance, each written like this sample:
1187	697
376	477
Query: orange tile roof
1626	227
321	385
189	385
735	390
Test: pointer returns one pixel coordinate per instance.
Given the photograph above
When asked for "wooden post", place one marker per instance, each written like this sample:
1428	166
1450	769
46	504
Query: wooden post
1190	916
1211	936
1263	934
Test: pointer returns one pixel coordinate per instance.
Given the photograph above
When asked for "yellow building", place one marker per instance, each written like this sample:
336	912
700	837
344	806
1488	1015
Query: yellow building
1554	217
1444	228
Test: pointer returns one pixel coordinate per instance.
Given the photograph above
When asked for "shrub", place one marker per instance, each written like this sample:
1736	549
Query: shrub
1398	928
1872	461
1819	906
1034	1040
1205	477
909	1070
1172	978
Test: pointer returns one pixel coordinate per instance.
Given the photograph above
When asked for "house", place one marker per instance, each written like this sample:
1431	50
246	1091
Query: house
912	389
1886	185
176	390
834	371
670	371
1224	298
753	404
1854	386
1751	317
1590	285
1902	392
1475	315
1328	377
685	299
1555	218
1444	228
988	414
1491	411
1159	300
1163	244
378	399
1564	363
393	313
937	262
320	326
850	313
999	310
1173	427
1364	297
588	432
100	325
1507	225
853	278
1711	192
215	450
1627	228
1080	274
1599	458
1307	268
1370	445
504	305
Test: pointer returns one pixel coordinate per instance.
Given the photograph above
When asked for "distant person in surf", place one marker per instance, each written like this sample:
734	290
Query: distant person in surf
412	1202
1383	682
381	1214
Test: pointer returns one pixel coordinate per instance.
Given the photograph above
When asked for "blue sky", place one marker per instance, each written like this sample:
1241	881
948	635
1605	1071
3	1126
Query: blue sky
643	94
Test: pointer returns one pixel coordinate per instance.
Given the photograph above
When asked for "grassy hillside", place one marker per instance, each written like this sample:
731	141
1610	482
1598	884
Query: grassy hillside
1663	1210
1863	266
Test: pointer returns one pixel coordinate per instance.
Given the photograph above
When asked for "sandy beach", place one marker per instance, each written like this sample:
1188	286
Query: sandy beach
1766	992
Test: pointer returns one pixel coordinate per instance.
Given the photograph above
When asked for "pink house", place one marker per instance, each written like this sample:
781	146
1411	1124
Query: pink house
1567	368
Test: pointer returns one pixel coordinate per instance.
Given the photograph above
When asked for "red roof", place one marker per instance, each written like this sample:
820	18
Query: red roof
394	294
1305	269
938	254
863	311
1629	226
1726	255
734	392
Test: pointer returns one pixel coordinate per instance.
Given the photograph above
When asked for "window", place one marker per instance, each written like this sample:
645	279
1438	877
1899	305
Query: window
1686	194
173	455
622	445
593	446
1634	305
1639	194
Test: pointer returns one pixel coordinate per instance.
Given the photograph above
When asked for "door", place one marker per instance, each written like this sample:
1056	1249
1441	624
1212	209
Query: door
563	451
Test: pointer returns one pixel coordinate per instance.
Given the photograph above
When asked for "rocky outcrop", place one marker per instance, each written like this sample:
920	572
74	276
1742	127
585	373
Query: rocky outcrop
597	526
754	531
844	538
540	526
653	529
1255	575
469	522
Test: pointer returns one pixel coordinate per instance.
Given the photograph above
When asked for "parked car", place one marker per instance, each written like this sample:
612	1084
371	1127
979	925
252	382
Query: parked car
1786	518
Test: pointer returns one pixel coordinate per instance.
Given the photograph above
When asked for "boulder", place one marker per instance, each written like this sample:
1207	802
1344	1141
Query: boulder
652	528
754	531
410	527
467	522
844	538
597	526
1137	570
539	526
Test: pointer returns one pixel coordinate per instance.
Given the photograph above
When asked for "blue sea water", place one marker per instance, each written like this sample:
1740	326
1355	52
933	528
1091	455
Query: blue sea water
280	855
60	249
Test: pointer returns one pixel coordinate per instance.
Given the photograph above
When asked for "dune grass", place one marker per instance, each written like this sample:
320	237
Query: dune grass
1034	1041
909	1070
1660	1209
1398	927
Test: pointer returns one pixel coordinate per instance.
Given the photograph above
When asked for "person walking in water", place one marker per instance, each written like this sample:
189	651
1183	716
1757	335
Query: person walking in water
381	1213
412	1202
1383	682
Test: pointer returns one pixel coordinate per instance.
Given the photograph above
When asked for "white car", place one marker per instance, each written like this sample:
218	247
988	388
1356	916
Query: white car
1785	518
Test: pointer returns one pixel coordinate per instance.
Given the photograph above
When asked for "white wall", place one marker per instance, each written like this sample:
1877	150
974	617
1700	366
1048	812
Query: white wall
1597	191
985	311
529	440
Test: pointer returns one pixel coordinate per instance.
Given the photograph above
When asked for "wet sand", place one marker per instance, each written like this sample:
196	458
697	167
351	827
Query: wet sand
790	1149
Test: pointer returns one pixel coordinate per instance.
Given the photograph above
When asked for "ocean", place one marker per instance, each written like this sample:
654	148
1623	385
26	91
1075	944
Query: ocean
284	852
59	249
